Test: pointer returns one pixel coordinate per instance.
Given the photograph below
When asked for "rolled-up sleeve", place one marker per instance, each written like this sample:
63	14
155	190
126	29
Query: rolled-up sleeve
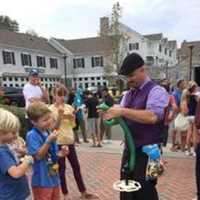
157	101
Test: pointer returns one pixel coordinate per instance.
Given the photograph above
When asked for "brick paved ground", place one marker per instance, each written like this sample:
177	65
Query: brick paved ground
100	170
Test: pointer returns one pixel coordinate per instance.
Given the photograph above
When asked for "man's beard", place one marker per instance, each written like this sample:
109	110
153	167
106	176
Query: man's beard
132	84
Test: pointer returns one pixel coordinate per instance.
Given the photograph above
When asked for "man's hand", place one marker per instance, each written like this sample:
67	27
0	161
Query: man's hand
115	111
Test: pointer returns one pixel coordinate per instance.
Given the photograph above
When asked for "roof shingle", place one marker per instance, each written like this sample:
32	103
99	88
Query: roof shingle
157	36
26	41
86	45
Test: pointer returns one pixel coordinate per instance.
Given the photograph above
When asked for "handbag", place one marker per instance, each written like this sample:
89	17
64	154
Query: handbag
181	122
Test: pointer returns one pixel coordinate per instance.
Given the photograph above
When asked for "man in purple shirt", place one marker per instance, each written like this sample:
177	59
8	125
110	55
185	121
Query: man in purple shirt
143	109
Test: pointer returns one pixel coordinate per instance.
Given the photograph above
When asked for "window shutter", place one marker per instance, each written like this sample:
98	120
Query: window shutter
74	63
22	59
130	47
44	62
92	61
30	62
137	46
50	61
56	63
102	61
13	58
83	63
4	57
38	63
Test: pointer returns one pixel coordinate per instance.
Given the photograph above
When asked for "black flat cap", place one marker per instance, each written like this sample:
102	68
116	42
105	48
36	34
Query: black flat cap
131	63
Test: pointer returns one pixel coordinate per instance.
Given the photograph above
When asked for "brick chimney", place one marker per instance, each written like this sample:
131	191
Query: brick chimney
104	26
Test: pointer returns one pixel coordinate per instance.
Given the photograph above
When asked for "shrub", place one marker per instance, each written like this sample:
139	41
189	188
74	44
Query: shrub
1	100
20	113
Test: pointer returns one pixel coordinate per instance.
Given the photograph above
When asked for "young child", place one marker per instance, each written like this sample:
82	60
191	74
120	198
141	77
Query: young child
64	115
41	145
13	182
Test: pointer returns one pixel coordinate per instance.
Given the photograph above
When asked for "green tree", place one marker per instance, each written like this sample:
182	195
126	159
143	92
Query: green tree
8	24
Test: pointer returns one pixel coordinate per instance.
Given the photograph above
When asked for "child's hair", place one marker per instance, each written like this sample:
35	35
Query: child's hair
60	90
37	110
8	121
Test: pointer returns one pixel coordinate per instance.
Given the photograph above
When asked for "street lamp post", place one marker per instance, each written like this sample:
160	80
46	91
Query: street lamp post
190	61
65	70
166	70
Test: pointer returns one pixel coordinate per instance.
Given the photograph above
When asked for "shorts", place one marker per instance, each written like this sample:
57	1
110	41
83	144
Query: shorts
93	124
44	193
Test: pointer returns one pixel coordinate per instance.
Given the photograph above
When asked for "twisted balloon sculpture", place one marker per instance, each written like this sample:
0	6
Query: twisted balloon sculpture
124	185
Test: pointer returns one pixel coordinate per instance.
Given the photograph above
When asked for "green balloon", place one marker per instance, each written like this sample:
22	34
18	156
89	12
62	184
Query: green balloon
127	135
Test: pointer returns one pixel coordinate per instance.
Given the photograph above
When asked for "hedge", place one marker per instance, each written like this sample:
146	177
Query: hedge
20	113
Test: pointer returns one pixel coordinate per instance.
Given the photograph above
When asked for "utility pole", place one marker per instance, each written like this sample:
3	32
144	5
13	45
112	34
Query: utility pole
166	70
191	47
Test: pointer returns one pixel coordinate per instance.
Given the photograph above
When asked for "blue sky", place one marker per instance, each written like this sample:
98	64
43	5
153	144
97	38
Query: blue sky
69	19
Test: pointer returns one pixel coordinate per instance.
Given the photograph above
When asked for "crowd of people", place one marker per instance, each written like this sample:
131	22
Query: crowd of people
56	118
53	125
183	102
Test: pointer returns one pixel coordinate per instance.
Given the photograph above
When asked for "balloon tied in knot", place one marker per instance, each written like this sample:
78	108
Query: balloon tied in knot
124	185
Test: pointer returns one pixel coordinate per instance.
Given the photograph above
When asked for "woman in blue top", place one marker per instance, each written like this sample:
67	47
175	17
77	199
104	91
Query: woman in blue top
13	184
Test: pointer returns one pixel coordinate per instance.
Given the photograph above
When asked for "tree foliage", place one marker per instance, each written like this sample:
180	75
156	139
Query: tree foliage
116	33
31	32
8	24
115	18
119	42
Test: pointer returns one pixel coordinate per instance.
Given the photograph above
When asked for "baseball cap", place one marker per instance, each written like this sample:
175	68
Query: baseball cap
33	72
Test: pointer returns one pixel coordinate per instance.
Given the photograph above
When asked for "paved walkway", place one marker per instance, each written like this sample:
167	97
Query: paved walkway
100	168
